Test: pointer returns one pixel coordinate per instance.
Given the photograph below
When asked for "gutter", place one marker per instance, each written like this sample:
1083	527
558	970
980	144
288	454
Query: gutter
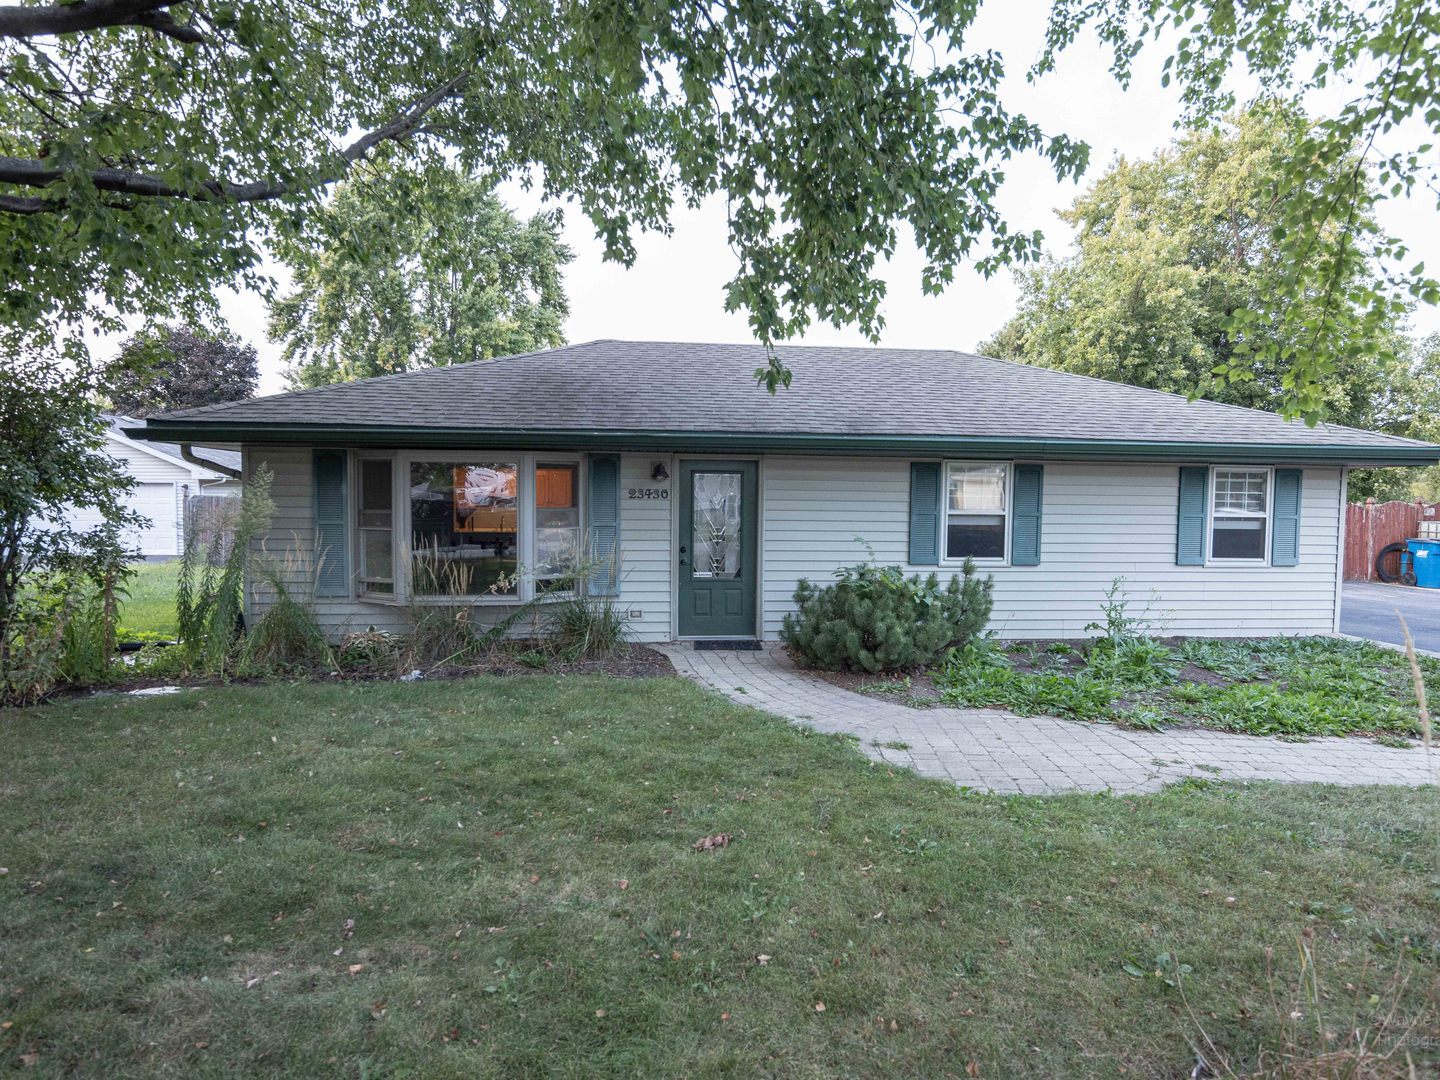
651	440
189	455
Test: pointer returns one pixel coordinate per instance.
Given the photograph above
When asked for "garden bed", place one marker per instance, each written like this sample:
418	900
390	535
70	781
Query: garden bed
1290	687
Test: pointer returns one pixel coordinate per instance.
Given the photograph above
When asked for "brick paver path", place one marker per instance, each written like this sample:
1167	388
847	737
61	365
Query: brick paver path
994	750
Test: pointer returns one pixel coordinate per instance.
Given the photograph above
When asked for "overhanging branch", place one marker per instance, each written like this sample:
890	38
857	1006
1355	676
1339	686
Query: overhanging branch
24	172
28	22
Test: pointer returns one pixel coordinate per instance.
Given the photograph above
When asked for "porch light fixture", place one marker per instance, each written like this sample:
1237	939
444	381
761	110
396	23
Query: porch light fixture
659	473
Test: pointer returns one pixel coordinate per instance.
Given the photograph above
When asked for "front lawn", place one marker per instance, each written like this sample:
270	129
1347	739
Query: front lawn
496	877
1266	686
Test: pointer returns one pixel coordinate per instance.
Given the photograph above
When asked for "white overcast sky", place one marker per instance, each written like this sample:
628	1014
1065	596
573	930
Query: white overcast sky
675	290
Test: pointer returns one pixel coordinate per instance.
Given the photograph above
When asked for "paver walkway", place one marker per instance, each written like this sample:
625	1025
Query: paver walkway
994	750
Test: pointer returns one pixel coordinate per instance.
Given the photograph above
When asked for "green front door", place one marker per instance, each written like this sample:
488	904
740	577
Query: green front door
716	549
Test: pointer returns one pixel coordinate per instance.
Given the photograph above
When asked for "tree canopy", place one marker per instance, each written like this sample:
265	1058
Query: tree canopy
152	148
179	367
1169	248
414	268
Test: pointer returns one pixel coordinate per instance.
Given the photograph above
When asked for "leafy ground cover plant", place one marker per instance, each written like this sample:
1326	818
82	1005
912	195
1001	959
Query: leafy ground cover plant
1287	686
1267	686
876	618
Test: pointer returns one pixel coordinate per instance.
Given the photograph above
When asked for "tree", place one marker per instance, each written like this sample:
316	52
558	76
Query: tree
52	461
164	368
152	147
1168	249
408	269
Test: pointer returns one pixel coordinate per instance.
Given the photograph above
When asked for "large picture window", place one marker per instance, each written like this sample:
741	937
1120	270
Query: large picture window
1239	514
976	509
464	528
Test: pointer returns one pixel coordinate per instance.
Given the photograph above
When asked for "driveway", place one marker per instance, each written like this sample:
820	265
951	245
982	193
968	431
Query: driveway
994	750
1367	610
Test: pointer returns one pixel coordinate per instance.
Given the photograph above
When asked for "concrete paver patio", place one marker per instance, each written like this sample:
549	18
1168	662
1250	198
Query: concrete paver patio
994	750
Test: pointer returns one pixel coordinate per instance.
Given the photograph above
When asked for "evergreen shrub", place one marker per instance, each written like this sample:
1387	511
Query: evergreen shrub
876	618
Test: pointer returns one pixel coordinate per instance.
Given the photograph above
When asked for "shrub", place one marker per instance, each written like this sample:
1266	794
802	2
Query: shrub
209	596
585	626
875	618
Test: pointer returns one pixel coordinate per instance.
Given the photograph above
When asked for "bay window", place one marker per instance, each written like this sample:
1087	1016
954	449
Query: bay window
464	528
976	510
1239	514
493	527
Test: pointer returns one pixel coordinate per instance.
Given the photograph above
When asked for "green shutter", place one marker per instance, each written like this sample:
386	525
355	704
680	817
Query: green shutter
332	551
604	524
1194	514
1027	503
1285	535
924	513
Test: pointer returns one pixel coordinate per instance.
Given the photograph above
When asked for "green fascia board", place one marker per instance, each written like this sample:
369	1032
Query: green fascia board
179	431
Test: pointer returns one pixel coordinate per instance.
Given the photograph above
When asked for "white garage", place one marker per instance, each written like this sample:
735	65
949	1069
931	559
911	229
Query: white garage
164	480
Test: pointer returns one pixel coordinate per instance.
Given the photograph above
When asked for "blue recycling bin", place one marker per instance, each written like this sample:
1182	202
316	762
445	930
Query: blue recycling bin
1425	561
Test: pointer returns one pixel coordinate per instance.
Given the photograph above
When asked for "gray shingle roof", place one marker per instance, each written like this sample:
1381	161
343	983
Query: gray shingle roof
628	386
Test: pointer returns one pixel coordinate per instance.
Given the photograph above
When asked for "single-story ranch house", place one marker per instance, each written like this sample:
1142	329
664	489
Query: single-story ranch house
697	499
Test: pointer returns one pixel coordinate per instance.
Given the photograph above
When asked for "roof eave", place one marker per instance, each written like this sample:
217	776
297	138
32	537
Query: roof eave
757	442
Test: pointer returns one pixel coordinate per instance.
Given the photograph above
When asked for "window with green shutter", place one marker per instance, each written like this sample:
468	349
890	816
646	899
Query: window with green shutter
1190	538
1027	505
604	525
924	513
1285	528
332	554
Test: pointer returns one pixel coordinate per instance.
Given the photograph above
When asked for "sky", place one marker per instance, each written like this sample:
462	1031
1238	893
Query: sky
675	289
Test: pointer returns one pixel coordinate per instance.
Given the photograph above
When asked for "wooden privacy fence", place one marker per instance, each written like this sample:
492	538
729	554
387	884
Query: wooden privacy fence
1369	526
210	520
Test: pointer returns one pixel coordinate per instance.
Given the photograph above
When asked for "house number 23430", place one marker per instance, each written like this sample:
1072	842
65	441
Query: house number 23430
643	493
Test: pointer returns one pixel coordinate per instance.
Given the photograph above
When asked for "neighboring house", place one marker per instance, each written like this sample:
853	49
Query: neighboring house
718	496
163	481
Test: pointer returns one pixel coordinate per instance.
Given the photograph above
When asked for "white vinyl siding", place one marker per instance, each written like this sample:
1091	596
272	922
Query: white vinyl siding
1101	520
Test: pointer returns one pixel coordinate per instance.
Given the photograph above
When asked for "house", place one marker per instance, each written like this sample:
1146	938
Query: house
701	499
164	480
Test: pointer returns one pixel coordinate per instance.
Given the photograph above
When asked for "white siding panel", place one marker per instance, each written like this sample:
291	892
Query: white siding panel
1101	520
645	550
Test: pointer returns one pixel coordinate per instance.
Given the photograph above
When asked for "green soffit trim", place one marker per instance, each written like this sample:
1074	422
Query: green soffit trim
776	442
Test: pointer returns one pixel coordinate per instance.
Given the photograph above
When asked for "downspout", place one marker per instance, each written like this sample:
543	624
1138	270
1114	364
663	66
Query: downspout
189	455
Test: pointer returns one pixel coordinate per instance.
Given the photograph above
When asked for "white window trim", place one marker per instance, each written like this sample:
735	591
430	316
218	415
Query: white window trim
531	543
1269	517
946	513
401	460
357	549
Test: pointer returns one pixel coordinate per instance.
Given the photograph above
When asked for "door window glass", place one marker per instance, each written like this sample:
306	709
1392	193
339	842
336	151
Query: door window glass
716	524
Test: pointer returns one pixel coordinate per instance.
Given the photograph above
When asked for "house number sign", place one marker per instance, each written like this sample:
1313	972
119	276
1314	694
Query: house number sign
646	494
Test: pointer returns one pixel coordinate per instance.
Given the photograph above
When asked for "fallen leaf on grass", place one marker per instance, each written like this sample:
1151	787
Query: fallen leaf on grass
29	1059
762	959
972	1068
819	1006
355	969
710	843
348	930
623	884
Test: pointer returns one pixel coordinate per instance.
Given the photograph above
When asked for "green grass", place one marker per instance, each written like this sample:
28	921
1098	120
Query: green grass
1269	686
513	859
149	607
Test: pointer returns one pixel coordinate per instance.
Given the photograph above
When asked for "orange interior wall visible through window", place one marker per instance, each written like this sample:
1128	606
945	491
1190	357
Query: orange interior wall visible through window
554	486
